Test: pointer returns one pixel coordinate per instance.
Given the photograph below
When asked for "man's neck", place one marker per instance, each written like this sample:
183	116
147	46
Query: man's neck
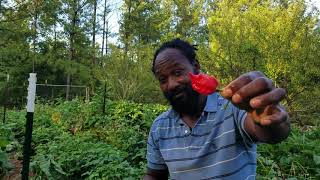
191	119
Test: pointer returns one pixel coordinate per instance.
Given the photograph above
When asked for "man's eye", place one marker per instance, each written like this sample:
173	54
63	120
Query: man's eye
162	80
177	73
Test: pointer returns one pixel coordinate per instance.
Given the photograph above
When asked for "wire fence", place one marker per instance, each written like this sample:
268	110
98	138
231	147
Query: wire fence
51	92
13	97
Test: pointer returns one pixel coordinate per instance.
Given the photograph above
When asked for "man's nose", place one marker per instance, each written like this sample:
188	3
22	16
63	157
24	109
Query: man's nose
172	84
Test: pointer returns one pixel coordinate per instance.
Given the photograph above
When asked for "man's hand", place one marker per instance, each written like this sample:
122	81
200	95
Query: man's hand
256	94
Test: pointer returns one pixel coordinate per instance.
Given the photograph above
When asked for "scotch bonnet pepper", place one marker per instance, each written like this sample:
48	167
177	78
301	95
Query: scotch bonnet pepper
203	84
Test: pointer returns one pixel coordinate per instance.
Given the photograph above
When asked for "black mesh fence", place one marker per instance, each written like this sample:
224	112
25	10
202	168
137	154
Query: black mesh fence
12	97
51	92
2	114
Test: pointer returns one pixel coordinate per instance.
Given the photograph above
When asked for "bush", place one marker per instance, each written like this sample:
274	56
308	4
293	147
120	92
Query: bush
80	157
297	157
74	140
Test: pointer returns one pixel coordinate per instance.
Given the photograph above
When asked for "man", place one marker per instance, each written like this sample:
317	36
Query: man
206	137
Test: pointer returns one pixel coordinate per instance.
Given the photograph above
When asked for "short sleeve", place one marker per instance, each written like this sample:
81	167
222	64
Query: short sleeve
239	117
154	157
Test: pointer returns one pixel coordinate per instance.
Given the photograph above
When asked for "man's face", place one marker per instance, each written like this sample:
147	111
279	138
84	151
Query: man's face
171	69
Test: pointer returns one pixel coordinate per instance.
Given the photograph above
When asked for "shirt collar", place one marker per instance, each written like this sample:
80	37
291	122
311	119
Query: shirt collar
212	103
172	114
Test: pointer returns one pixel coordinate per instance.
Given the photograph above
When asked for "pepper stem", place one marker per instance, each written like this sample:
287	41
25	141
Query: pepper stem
219	89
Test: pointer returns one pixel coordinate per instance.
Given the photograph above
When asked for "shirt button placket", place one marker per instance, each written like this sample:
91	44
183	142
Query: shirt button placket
187	138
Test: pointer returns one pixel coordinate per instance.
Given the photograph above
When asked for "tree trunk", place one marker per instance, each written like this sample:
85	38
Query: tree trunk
55	37
68	87
34	38
127	32
72	34
107	32
104	26
94	32
0	6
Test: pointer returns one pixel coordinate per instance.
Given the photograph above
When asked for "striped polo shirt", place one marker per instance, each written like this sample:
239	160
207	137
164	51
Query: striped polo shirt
218	147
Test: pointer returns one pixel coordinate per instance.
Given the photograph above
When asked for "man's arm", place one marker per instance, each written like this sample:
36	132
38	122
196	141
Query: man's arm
153	174
266	121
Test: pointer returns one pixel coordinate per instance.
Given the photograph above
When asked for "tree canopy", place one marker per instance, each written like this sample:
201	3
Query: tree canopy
58	40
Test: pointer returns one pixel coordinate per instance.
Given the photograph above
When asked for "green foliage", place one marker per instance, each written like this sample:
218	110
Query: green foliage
74	140
277	38
80	157
280	38
131	78
297	157
6	143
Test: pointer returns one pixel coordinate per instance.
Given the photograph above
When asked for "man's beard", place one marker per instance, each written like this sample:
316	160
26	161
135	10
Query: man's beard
188	102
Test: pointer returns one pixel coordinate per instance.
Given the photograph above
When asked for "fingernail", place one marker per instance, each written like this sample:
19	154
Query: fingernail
227	92
255	103
265	122
236	98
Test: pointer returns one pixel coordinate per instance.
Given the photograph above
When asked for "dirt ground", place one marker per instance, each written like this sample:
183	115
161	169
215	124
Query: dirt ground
15	173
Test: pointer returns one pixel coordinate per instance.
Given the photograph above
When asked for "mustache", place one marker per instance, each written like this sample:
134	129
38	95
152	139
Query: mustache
171	94
188	104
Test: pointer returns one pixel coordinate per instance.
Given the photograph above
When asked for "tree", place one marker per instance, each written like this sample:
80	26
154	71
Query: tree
94	17
277	38
105	29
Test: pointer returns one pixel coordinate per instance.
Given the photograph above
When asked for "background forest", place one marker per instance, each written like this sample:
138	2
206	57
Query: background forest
71	42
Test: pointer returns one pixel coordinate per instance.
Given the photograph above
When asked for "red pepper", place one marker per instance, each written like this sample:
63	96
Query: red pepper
203	84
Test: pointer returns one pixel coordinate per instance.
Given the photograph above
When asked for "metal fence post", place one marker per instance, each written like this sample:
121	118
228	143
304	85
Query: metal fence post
5	99
104	98
29	123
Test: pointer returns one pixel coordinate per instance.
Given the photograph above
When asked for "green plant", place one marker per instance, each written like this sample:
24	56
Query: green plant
80	157
74	140
298	156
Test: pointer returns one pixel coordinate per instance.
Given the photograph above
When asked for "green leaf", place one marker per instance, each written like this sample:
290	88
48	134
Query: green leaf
3	142
45	168
316	159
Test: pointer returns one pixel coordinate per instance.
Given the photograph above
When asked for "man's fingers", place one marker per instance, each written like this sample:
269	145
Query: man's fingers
275	118
241	81
234	86
254	88
272	97
273	114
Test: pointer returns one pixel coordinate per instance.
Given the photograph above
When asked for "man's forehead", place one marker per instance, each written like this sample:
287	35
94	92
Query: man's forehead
171	55
170	52
161	67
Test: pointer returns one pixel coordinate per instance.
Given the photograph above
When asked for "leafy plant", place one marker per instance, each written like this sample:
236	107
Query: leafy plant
297	157
74	140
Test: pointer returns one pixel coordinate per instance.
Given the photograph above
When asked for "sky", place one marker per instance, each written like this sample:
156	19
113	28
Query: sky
115	16
316	3
113	20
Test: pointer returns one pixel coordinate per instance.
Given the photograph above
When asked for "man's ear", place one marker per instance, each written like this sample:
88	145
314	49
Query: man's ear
196	67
